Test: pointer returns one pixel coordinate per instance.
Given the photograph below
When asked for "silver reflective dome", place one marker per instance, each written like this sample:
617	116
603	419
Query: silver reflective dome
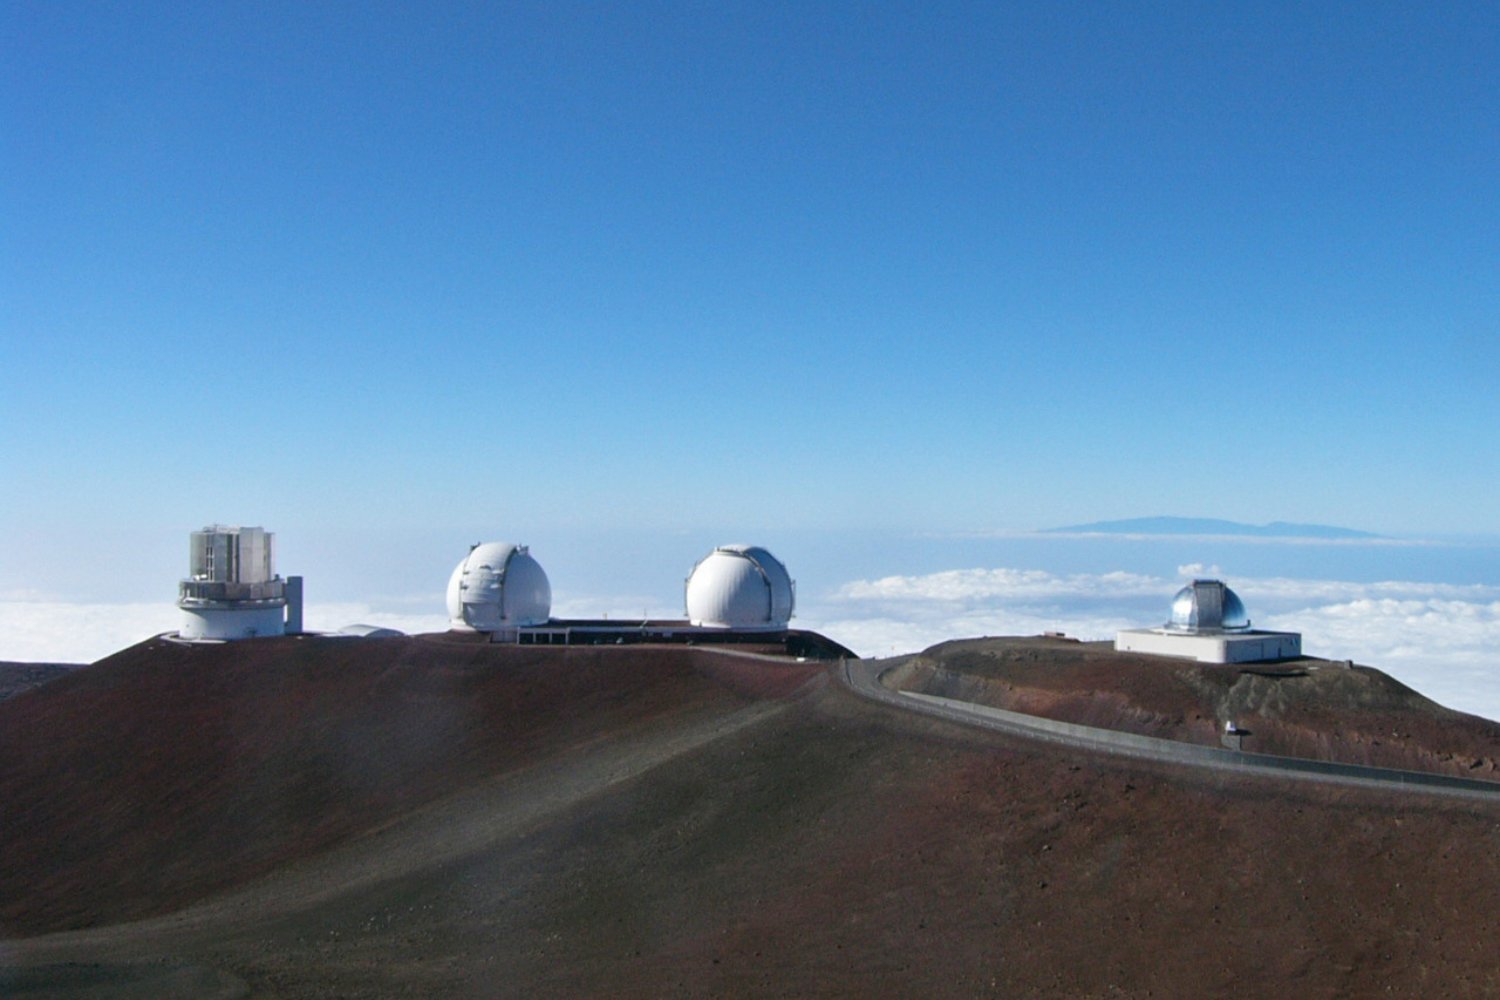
1207	606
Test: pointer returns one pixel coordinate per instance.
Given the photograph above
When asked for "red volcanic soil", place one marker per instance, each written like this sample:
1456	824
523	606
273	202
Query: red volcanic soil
374	818
1297	708
18	677
168	771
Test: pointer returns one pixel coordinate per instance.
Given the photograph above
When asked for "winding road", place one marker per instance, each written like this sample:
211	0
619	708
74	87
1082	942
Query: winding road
863	678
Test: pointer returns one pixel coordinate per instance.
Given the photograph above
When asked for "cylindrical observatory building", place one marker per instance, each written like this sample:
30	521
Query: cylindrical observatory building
232	590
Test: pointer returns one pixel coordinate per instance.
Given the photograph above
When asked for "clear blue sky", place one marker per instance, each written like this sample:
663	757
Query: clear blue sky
744	268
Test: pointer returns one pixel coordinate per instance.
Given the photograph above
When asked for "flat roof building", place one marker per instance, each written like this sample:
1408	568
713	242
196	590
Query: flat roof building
1208	623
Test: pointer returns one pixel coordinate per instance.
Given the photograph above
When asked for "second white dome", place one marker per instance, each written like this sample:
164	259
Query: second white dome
497	585
740	586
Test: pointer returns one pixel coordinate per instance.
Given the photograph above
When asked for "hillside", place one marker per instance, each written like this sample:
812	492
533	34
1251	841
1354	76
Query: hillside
373	818
1301	708
1214	527
186	769
18	677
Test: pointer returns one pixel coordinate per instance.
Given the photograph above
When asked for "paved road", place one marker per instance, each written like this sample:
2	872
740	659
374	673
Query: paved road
863	677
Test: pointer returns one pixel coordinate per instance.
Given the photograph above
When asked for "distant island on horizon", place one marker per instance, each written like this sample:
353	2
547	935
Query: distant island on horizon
1210	526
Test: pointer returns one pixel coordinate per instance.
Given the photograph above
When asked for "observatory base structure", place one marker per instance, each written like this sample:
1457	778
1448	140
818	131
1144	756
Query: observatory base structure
235	622
1223	647
1209	624
605	632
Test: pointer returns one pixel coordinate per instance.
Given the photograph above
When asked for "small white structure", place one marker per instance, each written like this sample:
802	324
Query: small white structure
232	590
740	587
1209	625
498	585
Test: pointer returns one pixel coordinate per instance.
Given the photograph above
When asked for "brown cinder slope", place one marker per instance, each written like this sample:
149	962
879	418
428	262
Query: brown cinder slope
1298	708
822	845
18	677
169	771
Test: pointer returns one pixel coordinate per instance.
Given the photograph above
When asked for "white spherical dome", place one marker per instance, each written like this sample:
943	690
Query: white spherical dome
498	584
740	586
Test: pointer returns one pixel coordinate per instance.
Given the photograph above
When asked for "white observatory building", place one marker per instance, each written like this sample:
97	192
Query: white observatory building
740	587
232	590
1209	624
498	586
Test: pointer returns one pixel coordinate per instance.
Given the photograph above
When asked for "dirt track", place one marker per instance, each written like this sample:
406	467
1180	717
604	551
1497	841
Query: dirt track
790	839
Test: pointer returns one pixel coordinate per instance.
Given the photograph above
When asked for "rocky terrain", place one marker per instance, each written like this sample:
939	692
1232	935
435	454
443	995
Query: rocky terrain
1298	708
18	677
437	817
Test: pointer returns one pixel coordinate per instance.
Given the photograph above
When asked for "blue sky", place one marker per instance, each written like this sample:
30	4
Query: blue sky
398	277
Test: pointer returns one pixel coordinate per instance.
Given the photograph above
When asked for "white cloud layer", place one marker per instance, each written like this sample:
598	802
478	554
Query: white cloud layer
1018	585
50	631
966	585
62	632
1442	639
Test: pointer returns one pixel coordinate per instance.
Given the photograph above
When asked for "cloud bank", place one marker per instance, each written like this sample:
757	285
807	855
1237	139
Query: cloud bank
34	630
1442	639
63	632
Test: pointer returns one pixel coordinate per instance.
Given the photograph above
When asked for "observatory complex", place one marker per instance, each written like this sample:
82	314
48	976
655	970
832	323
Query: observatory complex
737	594
232	590
498	592
1209	624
